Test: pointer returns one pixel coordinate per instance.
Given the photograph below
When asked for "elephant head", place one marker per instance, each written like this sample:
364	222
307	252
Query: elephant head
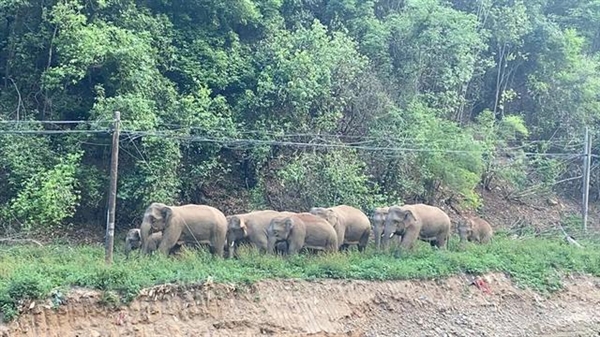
133	240
155	219
157	216
279	230
236	231
378	220
326	214
398	218
464	230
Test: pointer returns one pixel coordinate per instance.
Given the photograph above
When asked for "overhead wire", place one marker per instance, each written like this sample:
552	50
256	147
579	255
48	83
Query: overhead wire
320	140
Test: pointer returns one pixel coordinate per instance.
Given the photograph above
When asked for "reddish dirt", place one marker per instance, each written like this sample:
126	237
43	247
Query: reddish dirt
448	307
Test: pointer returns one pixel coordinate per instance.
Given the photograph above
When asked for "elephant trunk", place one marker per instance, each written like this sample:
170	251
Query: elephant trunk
462	233
271	241
230	247
145	230
377	231
388	232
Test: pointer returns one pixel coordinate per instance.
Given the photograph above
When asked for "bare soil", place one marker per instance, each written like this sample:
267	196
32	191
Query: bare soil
449	307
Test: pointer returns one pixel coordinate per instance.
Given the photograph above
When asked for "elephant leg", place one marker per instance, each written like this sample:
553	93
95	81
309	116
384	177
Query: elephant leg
441	242
408	239
344	247
340	231
281	248
170	237
218	245
293	247
364	240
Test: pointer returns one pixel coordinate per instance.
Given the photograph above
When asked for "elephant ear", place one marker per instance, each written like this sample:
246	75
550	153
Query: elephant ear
233	221
331	217
166	213
136	234
289	224
242	225
408	215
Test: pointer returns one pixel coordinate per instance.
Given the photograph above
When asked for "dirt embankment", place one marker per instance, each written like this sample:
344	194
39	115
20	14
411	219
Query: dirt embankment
449	307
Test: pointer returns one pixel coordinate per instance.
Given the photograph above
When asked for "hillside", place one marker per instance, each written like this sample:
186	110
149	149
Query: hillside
444	307
289	105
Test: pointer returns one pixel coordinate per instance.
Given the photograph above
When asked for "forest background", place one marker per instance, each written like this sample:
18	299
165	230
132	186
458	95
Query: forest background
289	104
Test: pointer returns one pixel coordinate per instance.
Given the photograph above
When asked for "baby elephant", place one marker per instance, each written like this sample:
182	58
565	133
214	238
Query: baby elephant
133	241
303	230
475	229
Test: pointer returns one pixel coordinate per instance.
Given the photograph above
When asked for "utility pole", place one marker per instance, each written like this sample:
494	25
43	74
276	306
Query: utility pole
587	160
112	195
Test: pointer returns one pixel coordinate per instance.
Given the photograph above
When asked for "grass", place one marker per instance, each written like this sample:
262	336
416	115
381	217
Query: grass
38	272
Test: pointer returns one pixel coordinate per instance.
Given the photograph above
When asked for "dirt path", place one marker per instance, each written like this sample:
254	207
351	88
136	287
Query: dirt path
451	307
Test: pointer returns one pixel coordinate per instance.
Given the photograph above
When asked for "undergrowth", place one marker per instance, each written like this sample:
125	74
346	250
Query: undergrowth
36	272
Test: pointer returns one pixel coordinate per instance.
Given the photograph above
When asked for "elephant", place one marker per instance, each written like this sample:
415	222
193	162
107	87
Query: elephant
352	226
133	241
475	229
425	222
302	230
378	218
200	224
251	228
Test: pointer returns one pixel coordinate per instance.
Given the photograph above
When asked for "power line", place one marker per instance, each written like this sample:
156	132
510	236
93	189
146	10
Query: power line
245	142
315	145
364	139
50	132
45	122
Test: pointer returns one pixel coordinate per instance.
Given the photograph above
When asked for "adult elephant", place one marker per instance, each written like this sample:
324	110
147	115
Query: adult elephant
250	228
351	225
378	219
200	224
419	221
302	230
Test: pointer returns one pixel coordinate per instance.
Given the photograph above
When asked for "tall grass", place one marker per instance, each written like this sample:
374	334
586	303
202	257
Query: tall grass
36	272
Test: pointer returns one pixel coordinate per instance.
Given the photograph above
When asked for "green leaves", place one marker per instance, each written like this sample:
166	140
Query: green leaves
431	94
48	197
299	74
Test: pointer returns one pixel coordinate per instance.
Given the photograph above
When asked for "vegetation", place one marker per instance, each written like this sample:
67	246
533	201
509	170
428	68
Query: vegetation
538	263
414	100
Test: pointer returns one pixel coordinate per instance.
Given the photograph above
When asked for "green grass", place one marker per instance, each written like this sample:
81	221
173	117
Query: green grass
37	272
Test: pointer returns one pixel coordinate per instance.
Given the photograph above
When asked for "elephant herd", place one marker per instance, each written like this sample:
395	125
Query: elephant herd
166	228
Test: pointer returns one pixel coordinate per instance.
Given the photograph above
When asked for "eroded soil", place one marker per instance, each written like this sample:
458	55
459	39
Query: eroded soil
449	307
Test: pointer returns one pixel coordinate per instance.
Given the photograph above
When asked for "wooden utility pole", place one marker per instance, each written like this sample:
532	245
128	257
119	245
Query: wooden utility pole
587	160
112	195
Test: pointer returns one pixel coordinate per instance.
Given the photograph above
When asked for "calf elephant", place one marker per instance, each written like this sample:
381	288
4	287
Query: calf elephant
200	224
133	241
303	230
427	223
250	228
351	225
475	229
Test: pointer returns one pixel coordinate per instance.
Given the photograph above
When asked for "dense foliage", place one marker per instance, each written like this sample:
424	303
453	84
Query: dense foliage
290	103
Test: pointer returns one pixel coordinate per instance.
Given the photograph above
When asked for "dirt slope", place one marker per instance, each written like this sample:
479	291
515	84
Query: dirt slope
451	307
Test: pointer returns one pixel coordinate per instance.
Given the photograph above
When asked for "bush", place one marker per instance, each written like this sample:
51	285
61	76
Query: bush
324	179
48	197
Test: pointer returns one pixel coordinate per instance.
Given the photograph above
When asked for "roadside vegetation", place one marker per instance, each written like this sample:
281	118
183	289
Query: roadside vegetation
39	272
